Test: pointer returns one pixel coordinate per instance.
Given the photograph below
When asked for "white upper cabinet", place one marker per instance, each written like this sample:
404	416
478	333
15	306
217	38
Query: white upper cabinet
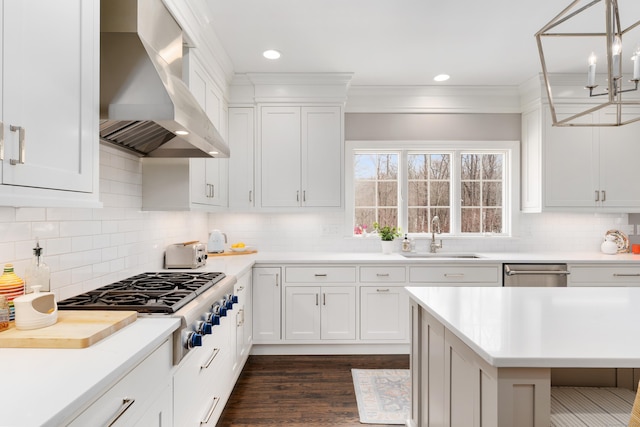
301	156
50	102
583	168
570	163
241	165
280	156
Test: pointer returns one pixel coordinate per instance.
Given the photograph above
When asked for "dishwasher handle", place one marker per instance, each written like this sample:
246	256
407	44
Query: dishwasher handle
509	272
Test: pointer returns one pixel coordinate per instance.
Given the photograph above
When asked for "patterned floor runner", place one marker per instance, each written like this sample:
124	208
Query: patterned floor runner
383	395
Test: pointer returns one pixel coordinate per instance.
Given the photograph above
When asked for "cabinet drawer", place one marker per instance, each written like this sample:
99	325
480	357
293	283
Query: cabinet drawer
141	386
320	274
455	274
604	276
382	274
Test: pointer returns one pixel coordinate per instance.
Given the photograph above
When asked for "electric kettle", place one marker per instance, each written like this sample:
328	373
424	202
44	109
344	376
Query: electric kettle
217	239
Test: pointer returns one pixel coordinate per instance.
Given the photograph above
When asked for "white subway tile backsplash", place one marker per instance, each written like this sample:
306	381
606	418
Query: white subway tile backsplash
30	214
88	248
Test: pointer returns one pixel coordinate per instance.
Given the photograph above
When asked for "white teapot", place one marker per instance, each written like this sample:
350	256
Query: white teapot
609	246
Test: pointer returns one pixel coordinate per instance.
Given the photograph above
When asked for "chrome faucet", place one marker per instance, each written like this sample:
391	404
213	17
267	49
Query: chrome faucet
435	224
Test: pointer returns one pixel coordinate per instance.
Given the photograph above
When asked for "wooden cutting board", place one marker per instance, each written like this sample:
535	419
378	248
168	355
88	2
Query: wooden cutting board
74	329
229	253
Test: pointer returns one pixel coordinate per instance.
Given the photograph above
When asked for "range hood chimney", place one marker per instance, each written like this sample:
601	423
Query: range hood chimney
145	107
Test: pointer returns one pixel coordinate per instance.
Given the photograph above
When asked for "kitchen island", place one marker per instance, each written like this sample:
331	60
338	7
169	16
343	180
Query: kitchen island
483	356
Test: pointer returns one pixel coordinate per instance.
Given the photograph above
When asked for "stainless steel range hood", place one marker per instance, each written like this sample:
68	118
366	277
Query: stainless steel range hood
144	104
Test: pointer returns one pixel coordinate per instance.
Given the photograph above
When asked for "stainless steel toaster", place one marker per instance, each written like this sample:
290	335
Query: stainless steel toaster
185	255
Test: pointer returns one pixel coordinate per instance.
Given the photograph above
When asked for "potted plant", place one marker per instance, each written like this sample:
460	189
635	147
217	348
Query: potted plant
387	234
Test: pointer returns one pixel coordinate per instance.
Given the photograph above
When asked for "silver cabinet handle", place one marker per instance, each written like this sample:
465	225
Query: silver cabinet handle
382	290
206	364
304	196
126	404
21	143
316	299
382	274
298	196
626	274
211	410
1	141
453	274
510	272
250	196
320	274
597	196
604	196
324	299
277	278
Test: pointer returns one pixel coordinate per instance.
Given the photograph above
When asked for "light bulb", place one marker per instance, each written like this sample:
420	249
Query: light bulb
616	47
593	59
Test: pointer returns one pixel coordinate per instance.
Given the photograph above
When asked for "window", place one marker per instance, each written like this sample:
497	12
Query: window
470	189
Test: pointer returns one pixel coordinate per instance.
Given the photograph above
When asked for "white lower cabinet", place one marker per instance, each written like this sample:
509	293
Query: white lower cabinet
266	302
383	313
202	383
139	398
456	274
241	336
320	313
603	275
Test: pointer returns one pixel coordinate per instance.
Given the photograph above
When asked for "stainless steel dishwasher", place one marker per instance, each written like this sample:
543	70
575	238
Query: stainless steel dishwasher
549	275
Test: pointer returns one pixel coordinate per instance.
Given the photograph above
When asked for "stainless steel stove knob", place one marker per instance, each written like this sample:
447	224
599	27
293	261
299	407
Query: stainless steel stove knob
203	328
211	318
220	308
194	339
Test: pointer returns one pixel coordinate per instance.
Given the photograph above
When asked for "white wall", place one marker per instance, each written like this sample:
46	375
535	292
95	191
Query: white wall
324	232
88	248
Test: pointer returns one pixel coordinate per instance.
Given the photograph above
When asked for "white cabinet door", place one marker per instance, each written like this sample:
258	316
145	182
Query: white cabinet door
314	313
266	303
571	164
50	91
134	395
383	313
619	154
241	165
322	156
302	313
280	156
338	313
301	156
208	176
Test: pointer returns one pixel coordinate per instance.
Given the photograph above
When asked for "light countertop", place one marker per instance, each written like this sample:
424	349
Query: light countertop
541	327
396	258
43	387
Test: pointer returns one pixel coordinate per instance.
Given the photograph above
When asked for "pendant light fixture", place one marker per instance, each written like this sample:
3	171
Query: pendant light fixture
593	30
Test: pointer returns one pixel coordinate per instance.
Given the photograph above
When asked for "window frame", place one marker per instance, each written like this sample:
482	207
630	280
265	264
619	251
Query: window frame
511	183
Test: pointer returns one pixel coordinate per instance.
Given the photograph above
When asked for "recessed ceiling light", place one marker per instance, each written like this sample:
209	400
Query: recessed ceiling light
441	77
182	132
271	54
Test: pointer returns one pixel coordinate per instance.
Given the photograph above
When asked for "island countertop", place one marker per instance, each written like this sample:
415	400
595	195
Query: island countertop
541	327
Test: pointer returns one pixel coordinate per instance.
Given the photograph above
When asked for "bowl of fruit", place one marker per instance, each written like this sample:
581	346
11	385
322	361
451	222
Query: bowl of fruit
238	247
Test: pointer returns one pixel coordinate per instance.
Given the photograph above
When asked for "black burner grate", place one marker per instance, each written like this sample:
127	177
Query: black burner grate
163	292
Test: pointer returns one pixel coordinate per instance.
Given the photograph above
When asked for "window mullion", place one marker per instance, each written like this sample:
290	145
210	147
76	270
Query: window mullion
403	183
456	196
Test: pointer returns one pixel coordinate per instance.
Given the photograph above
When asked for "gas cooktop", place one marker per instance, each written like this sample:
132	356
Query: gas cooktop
161	292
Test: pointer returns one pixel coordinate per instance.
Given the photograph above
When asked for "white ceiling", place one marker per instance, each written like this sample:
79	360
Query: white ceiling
389	42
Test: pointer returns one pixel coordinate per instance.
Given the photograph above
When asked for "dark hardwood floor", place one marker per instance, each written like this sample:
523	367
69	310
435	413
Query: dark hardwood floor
307	391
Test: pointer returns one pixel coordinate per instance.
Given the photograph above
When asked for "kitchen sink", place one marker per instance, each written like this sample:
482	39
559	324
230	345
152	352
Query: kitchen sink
429	255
